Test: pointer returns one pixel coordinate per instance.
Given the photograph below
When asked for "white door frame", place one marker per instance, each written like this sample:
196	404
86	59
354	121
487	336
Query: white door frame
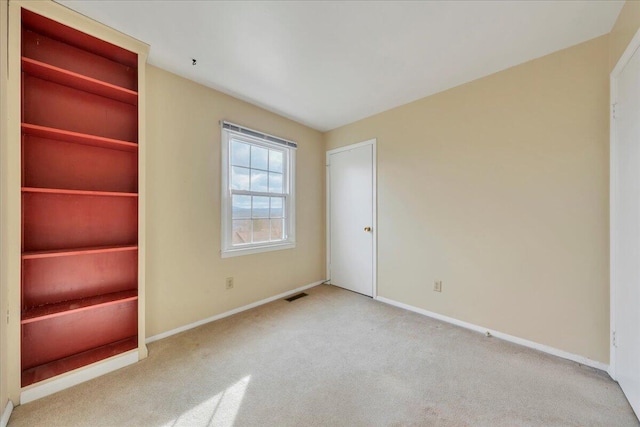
613	196
373	143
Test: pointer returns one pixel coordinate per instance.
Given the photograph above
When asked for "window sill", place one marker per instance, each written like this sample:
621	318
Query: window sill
256	249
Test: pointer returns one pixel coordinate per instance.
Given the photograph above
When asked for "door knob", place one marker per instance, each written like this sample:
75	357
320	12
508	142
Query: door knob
367	229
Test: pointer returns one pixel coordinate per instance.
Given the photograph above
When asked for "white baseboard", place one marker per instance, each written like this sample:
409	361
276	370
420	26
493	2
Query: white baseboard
6	414
521	341
230	312
45	388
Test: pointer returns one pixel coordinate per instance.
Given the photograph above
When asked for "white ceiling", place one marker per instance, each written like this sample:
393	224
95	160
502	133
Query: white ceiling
329	63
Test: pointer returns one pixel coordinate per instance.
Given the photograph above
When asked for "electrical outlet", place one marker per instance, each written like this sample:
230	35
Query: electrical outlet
229	282
437	286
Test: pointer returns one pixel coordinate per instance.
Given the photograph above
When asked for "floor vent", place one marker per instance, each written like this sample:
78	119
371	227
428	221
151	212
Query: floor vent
296	296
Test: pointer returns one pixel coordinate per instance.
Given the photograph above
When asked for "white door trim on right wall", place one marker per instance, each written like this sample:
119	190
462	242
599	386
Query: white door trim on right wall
633	46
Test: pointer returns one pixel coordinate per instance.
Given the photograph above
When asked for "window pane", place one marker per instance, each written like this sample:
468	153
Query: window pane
276	207
275	182
277	229
259	157
240	178
241	232
240	153
260	207
258	181
241	206
261	230
275	161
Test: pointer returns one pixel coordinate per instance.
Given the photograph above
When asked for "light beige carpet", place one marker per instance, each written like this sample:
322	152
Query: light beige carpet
335	358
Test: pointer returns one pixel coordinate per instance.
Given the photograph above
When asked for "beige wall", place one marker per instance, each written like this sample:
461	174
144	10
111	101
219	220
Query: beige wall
185	274
499	188
625	28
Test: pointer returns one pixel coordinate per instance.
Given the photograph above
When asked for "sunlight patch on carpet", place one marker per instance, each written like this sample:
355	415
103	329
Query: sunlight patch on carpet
219	410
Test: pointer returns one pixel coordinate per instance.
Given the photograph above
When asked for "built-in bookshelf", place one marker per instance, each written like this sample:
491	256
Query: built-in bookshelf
79	284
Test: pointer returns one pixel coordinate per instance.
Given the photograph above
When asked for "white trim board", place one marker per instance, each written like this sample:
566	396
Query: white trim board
631	48
6	414
506	337
40	390
231	312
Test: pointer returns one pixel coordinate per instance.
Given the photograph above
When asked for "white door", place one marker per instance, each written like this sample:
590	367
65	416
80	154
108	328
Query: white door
351	217
625	230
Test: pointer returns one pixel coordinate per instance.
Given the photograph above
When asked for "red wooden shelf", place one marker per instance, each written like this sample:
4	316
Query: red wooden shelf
79	251
57	337
69	221
77	137
56	52
77	192
57	367
67	307
78	275
46	103
50	163
78	81
73	37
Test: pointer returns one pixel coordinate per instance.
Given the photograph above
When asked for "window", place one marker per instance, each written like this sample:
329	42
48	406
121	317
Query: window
258	210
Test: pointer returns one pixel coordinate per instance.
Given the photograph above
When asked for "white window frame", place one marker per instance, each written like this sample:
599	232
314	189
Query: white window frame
228	249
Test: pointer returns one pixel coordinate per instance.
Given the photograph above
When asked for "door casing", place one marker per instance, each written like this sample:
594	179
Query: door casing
632	48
